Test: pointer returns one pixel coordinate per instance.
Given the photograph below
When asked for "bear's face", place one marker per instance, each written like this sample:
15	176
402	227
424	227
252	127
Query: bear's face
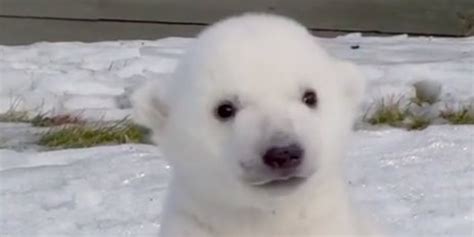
254	112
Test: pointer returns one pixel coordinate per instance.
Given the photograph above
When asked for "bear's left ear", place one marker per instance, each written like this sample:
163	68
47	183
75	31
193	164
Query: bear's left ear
149	107
353	82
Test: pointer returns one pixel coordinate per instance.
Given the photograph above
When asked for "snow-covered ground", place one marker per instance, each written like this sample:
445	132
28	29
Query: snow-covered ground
417	183
94	80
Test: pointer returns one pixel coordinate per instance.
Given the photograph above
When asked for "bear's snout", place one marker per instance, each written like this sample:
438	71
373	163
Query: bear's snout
283	157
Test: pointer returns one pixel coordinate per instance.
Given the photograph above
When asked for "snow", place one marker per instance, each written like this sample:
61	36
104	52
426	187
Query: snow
416	183
106	191
55	77
420	183
393	64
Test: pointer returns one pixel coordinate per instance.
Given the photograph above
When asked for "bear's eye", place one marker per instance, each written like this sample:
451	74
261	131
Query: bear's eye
310	98
225	110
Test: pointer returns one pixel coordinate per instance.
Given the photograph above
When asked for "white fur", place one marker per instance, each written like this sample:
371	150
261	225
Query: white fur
263	63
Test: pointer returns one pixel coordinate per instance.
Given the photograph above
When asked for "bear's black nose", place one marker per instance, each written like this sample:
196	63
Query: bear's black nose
285	157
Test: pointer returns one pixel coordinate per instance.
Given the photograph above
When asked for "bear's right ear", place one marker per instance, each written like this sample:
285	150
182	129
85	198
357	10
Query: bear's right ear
149	107
353	81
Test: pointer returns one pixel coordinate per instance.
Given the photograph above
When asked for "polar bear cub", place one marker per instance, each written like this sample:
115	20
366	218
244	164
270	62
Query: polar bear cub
254	123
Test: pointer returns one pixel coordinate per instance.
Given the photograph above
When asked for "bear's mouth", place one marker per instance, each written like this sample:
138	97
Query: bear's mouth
285	182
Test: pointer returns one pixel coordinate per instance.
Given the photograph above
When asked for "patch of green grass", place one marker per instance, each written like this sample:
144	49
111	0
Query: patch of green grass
387	111
418	123
12	116
464	115
41	120
82	135
391	111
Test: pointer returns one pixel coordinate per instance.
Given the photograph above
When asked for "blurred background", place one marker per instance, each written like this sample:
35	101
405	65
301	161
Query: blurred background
28	21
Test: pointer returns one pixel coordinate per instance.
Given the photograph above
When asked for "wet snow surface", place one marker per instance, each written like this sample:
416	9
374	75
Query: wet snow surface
417	183
94	80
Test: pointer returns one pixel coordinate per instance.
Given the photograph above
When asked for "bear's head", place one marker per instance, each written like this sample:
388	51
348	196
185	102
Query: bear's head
255	105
